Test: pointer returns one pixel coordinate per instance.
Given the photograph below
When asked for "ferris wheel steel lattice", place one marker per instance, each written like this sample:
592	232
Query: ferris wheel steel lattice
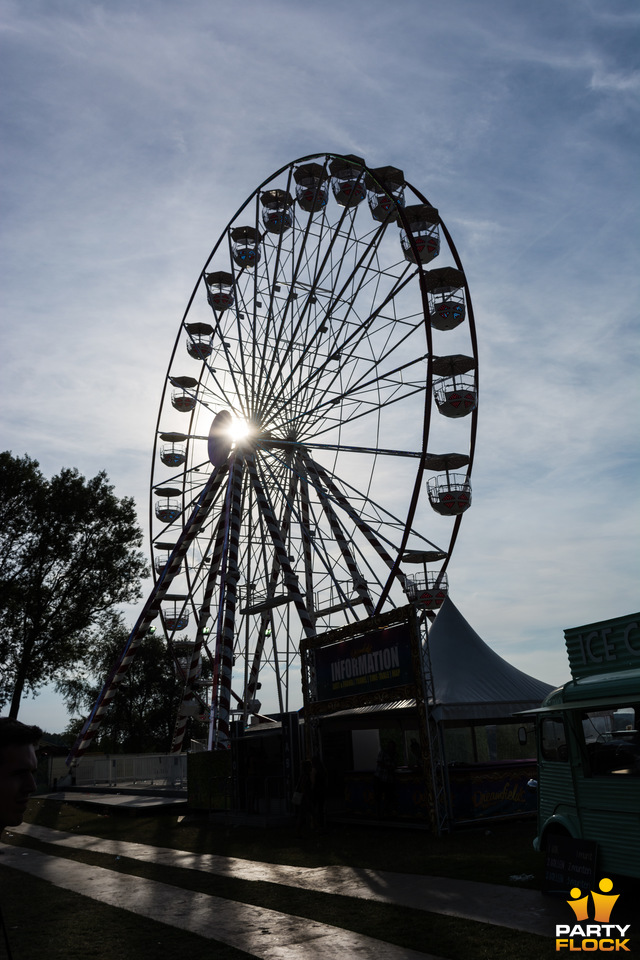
318	338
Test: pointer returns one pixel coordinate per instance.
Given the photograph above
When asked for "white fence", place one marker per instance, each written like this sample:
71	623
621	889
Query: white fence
159	771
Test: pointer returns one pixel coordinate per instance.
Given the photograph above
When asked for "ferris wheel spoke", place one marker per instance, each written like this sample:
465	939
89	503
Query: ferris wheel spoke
355	412
214	395
314	469
295	515
321	379
264	288
291	281
355	407
324	406
339	297
290	579
365	273
342	540
305	529
207	571
223	660
336	346
203	614
270	597
387	376
338	578
192	481
342	448
218	393
237	327
245	342
334	236
379	515
254	603
284	283
334	232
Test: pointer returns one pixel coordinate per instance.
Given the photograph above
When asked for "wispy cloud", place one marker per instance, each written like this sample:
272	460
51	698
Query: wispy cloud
628	82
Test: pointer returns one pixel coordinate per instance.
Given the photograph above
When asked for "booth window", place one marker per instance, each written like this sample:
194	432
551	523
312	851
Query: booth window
553	740
459	745
612	740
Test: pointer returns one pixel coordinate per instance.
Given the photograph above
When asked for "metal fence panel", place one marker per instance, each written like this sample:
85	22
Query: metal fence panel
157	770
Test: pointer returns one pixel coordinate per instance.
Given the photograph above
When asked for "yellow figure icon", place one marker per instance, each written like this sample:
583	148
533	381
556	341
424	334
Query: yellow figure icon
604	901
579	907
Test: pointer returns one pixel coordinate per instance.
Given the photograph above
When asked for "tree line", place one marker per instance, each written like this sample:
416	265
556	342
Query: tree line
70	557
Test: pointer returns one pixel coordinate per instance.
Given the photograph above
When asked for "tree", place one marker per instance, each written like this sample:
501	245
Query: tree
142	713
69	552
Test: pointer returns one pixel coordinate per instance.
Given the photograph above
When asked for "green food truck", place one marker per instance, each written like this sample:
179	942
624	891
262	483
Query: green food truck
588	734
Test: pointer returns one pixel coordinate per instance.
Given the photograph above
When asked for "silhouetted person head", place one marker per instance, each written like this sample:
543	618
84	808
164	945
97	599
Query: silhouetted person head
18	766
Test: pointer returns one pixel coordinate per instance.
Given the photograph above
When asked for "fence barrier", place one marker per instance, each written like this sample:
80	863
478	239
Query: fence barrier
160	771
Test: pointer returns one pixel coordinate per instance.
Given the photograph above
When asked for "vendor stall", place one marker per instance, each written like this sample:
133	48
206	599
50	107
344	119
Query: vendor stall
479	750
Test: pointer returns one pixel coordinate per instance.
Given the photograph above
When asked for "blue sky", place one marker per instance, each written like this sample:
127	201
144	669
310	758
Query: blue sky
133	131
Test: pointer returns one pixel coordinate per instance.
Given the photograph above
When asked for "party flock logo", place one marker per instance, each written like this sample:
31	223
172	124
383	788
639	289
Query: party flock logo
589	935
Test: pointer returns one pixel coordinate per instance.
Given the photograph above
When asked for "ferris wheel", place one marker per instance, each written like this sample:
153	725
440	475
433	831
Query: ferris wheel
339	365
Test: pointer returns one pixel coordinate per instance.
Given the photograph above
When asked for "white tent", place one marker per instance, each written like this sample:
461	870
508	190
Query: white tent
472	681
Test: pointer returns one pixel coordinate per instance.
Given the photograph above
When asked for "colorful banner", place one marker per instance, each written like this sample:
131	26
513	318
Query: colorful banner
492	789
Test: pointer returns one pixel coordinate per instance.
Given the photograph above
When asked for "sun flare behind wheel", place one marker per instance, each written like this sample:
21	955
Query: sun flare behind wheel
312	325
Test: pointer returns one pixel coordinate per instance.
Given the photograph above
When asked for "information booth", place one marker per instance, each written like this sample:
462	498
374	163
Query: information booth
440	700
364	703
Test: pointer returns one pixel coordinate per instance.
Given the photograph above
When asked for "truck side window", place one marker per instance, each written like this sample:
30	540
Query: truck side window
612	740
553	740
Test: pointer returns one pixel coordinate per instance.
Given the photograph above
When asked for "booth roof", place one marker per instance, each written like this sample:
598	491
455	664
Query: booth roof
374	708
471	680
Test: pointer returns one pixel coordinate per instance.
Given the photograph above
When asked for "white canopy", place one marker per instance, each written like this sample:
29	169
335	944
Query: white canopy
472	682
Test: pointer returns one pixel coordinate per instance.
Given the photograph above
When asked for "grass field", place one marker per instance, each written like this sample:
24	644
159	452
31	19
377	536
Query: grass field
67	923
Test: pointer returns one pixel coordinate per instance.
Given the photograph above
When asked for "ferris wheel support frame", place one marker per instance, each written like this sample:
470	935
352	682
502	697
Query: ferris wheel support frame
149	613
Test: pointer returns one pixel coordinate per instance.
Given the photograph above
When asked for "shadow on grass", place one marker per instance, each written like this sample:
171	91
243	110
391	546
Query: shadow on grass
48	922
491	854
442	936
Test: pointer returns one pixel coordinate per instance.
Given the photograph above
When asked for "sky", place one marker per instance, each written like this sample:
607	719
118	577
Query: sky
132	133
